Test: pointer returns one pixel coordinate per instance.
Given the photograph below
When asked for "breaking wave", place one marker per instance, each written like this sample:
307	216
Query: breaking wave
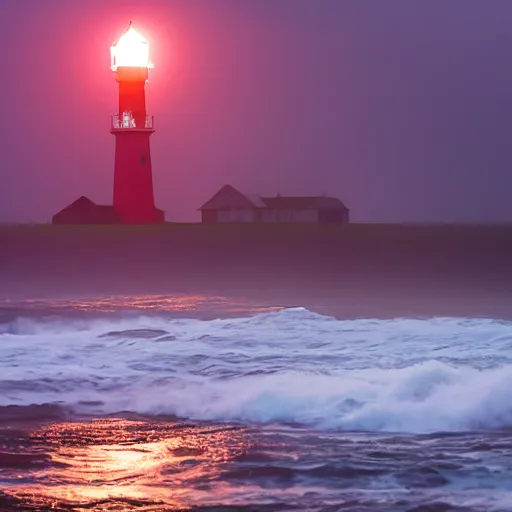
290	366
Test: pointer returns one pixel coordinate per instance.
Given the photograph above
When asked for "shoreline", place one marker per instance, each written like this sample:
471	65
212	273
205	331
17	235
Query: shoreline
363	307
351	271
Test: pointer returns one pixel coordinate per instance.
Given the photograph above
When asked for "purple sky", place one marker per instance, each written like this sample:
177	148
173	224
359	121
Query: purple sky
402	109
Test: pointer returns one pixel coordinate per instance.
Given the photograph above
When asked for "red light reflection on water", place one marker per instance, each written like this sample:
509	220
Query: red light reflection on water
188	304
132	462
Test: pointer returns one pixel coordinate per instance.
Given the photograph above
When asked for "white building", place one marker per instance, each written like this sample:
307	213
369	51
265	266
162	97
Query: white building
230	205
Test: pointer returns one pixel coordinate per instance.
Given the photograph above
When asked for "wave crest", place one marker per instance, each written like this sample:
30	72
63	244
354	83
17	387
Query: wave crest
428	397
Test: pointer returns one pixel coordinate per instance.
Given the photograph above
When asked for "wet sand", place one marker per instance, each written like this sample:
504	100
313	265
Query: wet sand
346	271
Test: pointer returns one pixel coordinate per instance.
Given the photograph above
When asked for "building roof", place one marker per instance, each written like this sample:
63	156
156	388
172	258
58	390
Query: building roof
255	199
303	203
83	210
81	204
228	198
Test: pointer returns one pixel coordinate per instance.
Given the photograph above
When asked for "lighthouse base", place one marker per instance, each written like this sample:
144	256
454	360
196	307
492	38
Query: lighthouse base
154	216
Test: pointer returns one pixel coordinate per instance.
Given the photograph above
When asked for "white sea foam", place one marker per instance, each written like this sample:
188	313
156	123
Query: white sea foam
290	366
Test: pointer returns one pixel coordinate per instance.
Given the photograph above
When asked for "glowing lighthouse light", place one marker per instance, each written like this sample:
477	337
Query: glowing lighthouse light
132	50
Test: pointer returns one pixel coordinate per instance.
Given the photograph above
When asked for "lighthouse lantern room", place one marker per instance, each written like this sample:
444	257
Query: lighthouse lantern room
132	50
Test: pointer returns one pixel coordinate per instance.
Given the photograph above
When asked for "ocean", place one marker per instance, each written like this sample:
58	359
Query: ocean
200	403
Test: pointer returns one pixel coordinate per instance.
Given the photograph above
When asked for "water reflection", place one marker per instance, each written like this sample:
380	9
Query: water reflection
193	304
161	465
127	461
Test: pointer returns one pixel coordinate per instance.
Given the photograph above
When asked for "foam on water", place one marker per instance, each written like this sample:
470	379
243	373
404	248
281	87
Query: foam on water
292	366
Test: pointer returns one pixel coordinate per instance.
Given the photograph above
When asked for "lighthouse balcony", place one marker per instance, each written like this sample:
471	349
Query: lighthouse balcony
127	121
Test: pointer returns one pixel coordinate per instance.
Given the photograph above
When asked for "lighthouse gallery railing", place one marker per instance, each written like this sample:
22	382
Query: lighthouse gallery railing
126	121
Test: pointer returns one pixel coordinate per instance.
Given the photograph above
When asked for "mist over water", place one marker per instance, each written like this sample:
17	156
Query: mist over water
317	403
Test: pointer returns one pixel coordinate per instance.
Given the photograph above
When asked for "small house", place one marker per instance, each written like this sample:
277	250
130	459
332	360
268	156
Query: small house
230	205
84	211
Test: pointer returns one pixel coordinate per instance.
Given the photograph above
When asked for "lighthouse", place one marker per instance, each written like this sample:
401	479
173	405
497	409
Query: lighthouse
132	128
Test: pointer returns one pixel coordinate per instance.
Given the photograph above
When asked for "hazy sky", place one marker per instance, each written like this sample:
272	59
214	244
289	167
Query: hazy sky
401	108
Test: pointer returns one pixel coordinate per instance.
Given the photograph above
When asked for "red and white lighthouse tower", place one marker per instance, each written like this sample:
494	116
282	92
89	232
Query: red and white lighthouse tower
132	128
